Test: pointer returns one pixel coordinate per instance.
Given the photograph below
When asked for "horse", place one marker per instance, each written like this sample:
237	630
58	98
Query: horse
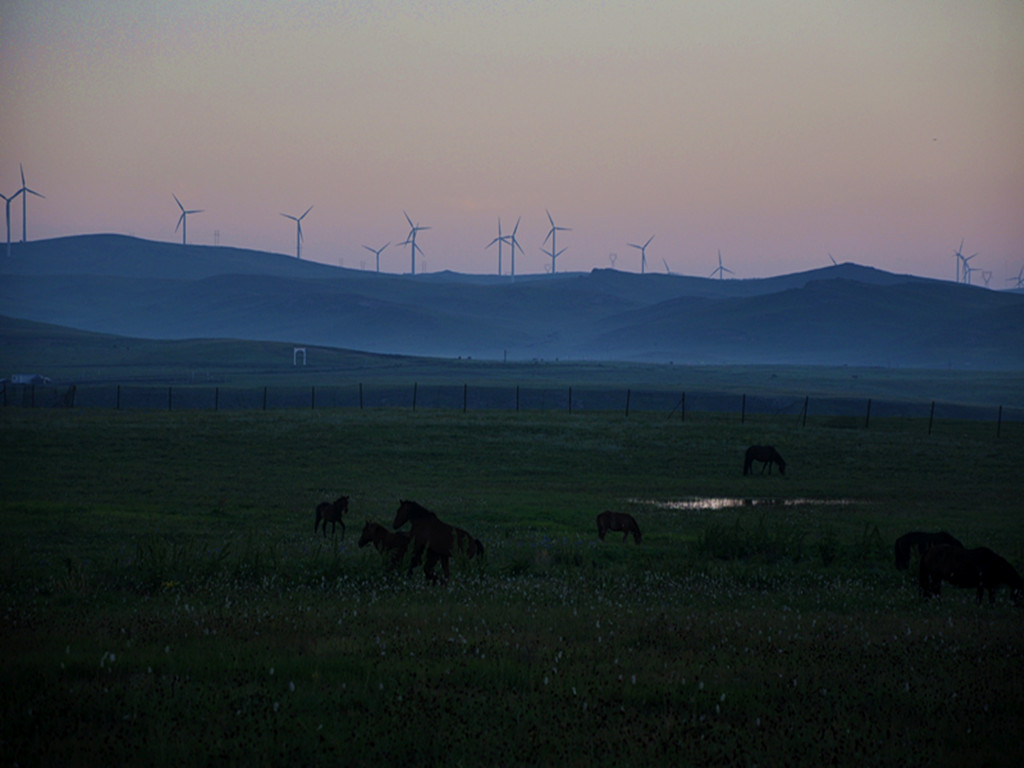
386	542
331	512
767	455
922	542
981	568
434	537
618	521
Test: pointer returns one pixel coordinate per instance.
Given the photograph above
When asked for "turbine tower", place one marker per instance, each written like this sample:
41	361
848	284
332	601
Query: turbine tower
377	252
643	253
410	240
7	206
298	230
183	219
25	192
721	270
500	239
553	253
514	243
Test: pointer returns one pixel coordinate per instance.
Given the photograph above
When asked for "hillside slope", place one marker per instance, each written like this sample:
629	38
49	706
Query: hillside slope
845	314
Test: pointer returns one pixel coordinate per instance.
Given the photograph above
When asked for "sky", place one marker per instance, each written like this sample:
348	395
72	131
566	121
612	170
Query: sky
783	134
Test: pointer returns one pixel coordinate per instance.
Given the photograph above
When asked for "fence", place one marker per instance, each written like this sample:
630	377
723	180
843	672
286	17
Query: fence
851	411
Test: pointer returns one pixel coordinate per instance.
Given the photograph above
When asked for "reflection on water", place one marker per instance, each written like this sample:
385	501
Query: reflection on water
705	502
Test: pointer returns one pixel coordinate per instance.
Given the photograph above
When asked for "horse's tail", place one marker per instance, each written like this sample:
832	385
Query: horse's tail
747	461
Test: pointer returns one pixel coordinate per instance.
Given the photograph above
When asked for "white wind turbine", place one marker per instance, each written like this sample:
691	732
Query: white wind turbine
553	253
500	240
720	271
410	240
25	192
7	207
298	230
183	219
643	252
377	252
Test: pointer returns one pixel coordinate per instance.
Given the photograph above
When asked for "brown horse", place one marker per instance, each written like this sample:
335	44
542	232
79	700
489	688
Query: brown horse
922	542
392	545
981	568
331	512
435	538
618	521
767	455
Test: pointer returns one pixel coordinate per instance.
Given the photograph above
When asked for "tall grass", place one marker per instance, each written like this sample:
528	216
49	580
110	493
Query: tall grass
165	599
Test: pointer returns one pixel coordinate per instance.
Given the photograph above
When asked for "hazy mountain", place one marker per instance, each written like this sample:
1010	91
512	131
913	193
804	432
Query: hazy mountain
844	314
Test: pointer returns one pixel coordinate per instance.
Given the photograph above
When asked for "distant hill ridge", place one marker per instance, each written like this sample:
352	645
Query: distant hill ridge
842	314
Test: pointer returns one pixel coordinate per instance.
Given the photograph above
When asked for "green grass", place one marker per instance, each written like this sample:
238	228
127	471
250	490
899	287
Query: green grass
165	599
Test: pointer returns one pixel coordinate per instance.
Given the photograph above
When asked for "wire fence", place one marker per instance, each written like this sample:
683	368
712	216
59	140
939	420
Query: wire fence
850	411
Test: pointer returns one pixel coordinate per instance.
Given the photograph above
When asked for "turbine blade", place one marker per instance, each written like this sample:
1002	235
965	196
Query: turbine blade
408	219
178	202
307	211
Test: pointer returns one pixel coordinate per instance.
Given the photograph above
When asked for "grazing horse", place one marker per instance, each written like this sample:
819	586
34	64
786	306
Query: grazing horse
387	543
618	521
331	512
434	537
981	568
922	542
767	455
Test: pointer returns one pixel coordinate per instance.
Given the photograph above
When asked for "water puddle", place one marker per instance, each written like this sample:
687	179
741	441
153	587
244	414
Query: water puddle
712	503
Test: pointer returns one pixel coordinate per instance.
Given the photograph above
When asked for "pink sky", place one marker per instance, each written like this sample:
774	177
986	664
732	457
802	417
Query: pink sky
778	132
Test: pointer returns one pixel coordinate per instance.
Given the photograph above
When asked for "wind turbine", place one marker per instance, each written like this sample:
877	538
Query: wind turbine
25	192
377	252
183	219
7	206
553	253
499	240
667	270
962	260
834	264
298	230
968	269
410	240
643	252
514	243
1019	279
721	270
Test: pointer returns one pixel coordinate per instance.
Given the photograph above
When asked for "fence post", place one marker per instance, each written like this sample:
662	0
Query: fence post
517	398
170	399
216	398
570	399
264	398
867	416
803	420
931	417
465	396
312	398
999	421
118	403
415	387
627	403
682	407
743	409
360	395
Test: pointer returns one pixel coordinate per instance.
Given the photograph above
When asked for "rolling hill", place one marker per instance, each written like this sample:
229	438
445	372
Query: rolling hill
841	315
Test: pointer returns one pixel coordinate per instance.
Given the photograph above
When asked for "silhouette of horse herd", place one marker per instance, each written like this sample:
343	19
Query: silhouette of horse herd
941	556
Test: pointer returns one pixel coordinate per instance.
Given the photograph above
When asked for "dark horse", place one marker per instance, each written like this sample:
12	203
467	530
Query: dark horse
981	568
922	542
434	537
393	545
767	455
618	521
331	512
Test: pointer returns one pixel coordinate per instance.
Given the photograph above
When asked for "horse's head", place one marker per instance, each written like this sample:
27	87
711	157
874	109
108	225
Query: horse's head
367	536
341	505
402	513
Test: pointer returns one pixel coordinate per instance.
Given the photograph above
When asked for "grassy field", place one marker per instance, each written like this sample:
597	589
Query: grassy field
166	602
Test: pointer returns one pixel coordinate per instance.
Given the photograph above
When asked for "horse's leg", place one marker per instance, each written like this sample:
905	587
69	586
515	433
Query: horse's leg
446	565
417	556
